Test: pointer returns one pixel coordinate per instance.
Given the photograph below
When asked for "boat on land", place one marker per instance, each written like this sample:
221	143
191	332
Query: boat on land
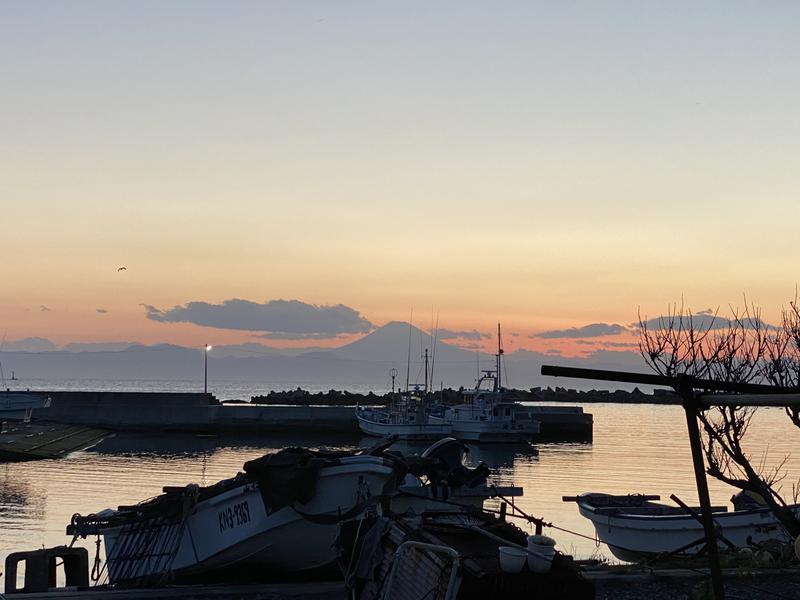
19	406
280	516
637	526
449	556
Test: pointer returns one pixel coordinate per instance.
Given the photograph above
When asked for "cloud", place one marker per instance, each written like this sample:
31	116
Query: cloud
607	344
102	311
43	308
277	319
449	334
702	321
587	331
708	311
286	335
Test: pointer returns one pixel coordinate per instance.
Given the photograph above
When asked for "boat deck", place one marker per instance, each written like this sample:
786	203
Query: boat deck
43	440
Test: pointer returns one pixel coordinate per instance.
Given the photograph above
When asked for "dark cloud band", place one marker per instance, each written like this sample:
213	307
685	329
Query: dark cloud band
587	331
283	319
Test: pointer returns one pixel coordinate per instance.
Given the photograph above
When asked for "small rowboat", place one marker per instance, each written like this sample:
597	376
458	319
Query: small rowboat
636	526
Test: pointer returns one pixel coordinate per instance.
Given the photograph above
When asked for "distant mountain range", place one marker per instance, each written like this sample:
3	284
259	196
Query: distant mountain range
367	361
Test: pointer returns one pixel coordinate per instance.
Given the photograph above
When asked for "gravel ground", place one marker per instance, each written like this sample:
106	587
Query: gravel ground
765	586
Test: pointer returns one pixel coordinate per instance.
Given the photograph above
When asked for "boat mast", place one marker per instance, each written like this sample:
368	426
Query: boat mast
408	358
425	389
497	381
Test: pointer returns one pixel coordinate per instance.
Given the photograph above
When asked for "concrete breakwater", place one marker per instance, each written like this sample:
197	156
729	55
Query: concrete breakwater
203	413
191	412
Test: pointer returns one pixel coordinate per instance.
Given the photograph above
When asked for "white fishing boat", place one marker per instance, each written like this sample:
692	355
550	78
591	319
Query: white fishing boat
19	406
406	418
282	514
486	415
637	526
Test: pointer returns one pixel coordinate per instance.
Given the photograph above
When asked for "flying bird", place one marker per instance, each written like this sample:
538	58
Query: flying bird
122	269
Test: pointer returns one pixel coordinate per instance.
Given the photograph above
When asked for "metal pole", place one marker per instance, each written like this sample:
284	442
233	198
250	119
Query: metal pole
690	407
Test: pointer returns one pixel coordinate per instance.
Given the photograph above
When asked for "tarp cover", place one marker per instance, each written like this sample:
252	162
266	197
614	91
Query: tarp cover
288	476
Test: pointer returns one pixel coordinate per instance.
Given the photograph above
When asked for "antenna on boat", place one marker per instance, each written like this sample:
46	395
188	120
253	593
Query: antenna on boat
498	356
2	375
408	358
426	372
435	339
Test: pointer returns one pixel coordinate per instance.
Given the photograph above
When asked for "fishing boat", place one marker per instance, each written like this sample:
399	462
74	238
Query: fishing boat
637	526
281	514
406	417
440	480
486	415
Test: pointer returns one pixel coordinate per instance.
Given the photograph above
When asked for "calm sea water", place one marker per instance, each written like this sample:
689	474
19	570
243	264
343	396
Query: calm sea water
641	448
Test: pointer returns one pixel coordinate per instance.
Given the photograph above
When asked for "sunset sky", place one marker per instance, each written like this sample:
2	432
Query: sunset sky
548	165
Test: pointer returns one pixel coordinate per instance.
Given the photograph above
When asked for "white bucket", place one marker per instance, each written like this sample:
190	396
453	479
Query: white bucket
512	560
543	548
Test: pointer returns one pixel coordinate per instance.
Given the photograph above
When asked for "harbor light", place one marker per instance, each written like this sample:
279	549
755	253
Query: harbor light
205	368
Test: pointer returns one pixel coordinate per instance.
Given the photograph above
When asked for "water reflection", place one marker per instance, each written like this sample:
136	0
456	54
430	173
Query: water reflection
635	449
21	503
501	456
190	445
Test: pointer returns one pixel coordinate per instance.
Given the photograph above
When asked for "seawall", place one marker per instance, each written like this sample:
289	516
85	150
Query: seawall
196	412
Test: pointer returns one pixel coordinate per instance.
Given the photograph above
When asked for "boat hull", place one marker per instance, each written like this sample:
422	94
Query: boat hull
422	431
491	431
235	529
631	537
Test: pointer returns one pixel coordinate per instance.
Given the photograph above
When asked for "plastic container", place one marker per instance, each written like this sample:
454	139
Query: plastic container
543	548
512	560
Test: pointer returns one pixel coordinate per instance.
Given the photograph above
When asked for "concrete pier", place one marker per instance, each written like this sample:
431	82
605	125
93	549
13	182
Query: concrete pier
203	413
148	411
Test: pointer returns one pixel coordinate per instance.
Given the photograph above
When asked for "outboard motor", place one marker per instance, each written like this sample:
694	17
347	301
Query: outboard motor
449	450
451	453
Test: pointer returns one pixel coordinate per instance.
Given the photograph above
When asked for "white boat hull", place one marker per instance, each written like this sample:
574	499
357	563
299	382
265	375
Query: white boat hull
405	431
491	431
234	528
631	537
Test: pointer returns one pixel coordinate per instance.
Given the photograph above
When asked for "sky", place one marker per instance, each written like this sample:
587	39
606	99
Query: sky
547	165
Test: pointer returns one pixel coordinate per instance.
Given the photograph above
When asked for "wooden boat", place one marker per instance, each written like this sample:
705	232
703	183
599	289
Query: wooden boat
636	526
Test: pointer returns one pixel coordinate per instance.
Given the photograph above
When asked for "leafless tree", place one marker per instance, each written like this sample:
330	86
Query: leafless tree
738	349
